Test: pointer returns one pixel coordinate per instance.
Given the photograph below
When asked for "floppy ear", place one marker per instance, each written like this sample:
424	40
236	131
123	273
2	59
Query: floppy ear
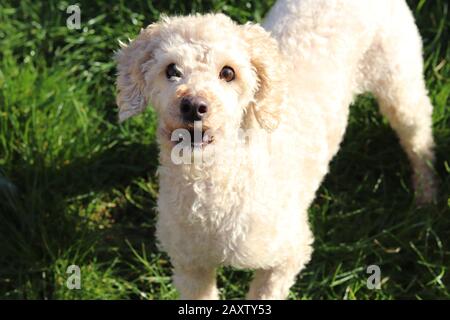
131	97
265	58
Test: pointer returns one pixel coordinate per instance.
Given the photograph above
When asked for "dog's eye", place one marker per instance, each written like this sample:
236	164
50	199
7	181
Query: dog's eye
227	74
172	71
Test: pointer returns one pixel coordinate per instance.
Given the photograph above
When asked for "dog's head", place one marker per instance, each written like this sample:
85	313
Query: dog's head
202	68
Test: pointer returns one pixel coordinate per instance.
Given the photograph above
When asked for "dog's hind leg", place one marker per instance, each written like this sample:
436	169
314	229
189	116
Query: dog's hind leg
195	283
413	127
395	67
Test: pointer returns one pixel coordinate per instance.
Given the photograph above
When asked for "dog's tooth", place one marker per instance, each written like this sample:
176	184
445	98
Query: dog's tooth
122	44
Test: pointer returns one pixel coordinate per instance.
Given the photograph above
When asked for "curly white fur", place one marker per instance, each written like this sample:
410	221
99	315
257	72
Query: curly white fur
295	79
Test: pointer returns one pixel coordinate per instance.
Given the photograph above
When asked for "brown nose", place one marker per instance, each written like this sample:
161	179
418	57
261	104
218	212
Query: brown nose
193	109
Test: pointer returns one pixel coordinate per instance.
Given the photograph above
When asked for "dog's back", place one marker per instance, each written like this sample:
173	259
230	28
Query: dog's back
337	49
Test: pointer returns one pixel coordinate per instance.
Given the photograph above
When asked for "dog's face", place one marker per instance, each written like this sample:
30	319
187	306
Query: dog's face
201	68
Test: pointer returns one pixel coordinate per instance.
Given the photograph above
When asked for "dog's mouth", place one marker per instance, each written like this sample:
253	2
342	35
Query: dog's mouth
197	138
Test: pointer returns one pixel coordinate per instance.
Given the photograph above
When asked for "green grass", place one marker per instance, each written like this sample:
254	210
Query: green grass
77	188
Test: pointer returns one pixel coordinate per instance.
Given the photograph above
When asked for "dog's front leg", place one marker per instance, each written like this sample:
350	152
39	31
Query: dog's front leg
274	283
195	283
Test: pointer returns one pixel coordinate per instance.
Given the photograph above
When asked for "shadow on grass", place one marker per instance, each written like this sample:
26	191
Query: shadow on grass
364	214
40	218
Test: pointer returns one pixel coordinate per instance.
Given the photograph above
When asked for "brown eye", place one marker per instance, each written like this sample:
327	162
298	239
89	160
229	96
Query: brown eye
227	74
172	71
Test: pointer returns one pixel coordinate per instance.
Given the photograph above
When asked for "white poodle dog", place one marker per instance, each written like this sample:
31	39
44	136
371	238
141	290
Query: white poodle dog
268	106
